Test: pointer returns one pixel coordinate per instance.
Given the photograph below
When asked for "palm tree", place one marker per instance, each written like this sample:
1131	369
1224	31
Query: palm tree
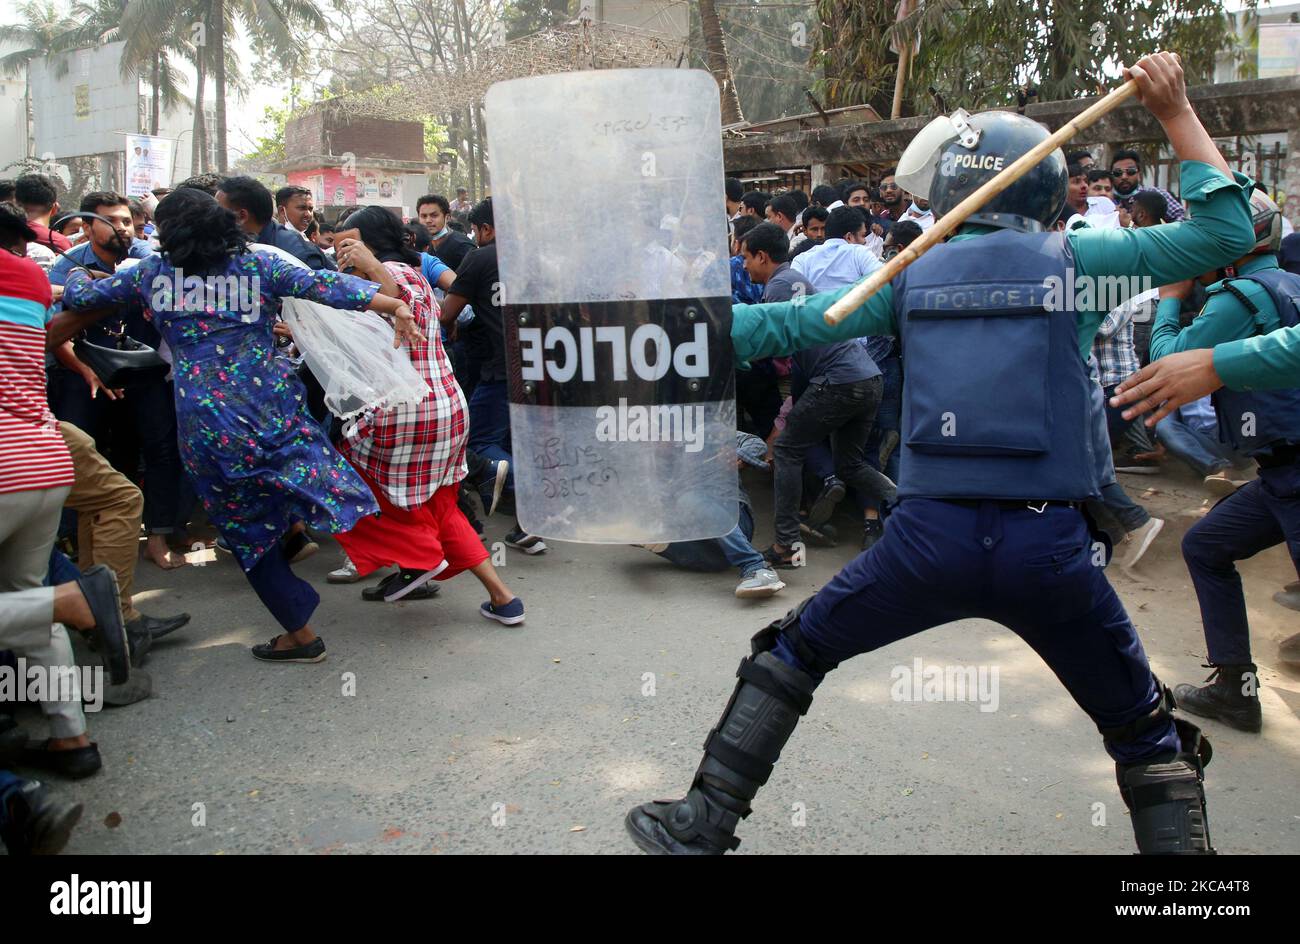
42	31
715	47
281	25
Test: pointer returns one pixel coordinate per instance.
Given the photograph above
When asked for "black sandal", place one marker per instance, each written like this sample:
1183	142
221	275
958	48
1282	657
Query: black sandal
314	651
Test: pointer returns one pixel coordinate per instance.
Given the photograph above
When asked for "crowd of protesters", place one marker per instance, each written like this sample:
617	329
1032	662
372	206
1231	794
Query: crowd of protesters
232	445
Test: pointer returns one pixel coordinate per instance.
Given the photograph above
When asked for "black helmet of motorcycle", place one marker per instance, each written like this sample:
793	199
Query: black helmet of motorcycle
958	154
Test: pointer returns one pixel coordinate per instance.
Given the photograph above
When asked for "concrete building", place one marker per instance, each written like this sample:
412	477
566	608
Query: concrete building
355	161
83	108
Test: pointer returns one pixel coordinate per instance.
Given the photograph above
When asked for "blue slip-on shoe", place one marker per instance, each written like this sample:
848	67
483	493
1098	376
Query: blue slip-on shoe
510	614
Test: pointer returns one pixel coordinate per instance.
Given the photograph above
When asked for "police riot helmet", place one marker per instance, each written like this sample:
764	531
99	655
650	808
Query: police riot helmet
956	154
1266	217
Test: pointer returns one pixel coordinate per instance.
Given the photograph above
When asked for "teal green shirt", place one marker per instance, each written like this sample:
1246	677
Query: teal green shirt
1224	318
1218	232
1270	362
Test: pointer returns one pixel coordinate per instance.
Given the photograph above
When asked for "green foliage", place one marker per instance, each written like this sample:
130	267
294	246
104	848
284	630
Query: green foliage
976	53
769	48
523	17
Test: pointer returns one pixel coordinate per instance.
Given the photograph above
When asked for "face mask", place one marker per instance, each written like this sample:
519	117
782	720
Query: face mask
442	232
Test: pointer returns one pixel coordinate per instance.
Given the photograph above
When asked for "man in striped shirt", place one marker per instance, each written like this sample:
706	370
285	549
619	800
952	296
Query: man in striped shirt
35	477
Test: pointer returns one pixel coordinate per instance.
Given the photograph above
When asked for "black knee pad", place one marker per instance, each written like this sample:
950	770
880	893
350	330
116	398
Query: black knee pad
764	709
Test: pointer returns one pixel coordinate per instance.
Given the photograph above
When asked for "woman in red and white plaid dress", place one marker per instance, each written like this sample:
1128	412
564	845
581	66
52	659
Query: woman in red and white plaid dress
413	455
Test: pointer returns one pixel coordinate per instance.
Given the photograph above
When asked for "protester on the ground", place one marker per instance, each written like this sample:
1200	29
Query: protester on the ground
109	511
734	549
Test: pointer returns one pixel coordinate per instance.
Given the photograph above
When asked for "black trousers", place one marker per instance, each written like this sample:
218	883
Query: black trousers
843	412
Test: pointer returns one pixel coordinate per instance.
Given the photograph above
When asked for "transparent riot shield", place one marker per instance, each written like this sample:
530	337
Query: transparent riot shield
616	296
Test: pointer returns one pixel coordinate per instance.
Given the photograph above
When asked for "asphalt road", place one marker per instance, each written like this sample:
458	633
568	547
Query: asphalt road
465	736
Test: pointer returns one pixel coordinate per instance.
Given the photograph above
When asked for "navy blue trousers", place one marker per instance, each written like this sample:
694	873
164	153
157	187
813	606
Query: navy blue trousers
290	599
1257	516
1036	574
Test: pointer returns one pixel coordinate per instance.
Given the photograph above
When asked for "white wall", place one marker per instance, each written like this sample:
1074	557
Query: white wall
13	125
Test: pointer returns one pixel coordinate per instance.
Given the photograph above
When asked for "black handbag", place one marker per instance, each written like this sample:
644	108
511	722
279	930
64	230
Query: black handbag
130	364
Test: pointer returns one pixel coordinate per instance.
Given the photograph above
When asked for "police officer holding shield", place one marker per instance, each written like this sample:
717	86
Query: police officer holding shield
998	457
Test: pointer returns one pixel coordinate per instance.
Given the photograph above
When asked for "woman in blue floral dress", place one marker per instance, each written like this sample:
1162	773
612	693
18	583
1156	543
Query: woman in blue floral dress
257	459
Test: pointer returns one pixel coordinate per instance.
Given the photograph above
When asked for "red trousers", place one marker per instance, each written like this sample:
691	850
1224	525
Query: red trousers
423	538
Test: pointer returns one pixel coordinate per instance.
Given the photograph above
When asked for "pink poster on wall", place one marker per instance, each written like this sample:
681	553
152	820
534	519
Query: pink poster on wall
339	189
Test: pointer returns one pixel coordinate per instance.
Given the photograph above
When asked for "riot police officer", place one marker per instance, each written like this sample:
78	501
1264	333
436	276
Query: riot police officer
998	457
1252	296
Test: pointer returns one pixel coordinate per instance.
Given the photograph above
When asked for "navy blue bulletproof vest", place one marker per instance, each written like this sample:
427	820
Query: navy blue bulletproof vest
1255	421
997	402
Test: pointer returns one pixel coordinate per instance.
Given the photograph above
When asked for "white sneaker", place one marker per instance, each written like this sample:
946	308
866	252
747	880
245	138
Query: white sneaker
345	574
1141	540
761	583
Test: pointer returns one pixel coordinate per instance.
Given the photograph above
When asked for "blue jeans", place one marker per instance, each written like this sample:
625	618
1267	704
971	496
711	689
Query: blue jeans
731	550
489	423
1033	573
1203	453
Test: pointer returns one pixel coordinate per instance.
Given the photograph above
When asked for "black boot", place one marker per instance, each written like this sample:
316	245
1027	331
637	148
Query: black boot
1232	697
1166	798
739	755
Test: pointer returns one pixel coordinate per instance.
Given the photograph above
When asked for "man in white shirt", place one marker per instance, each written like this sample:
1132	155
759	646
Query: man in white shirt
844	258
920	213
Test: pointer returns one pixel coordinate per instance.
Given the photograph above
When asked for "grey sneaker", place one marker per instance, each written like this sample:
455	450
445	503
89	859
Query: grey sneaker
761	583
